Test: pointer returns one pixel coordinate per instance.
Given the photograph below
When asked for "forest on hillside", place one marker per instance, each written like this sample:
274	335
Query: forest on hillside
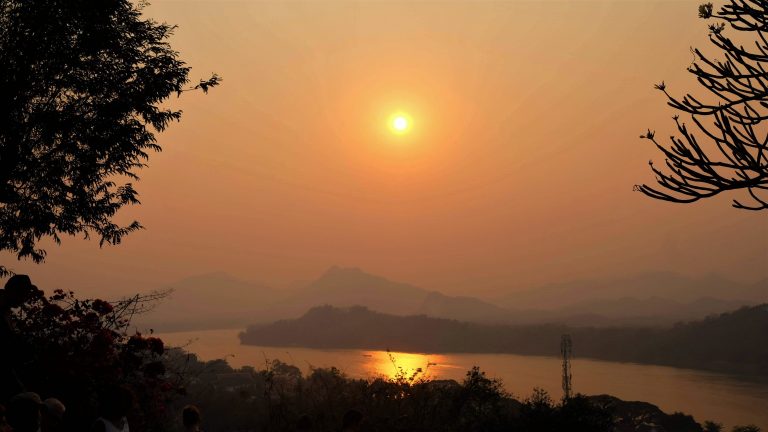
729	342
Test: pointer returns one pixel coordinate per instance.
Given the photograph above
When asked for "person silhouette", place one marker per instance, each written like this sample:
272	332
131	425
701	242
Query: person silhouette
190	417
24	412
4	426
114	405
304	424
17	290
352	421
52	415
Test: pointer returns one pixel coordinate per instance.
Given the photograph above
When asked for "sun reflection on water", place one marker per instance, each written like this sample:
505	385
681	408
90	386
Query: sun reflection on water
390	364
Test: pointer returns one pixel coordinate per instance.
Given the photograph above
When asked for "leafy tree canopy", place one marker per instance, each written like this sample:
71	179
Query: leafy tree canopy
81	87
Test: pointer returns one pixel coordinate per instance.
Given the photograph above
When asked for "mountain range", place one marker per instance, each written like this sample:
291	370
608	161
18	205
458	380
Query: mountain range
218	300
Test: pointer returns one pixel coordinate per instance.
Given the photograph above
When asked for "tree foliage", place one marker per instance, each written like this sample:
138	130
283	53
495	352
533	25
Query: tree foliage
726	148
710	426
748	428
276	398
81	87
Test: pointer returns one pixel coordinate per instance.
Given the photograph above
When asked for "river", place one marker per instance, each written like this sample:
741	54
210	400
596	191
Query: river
705	395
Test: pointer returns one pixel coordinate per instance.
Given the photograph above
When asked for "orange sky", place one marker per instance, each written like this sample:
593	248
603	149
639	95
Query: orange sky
518	170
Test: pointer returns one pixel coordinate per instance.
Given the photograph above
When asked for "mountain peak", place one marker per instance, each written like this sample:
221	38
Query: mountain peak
349	275
336	270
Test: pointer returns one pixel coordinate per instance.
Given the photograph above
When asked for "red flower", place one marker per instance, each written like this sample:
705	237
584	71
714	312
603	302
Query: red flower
52	310
154	369
137	342
101	306
91	319
156	345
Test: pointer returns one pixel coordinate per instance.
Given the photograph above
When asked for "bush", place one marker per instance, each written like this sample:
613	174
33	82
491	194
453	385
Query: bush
71	349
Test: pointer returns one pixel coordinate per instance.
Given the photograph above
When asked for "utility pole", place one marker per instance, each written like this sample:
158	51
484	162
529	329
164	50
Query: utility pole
565	350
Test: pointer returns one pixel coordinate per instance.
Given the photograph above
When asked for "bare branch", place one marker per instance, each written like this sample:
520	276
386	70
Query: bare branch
733	156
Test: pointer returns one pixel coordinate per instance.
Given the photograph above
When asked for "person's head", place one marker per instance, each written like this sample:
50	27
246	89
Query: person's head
190	416
352	420
115	402
17	290
24	412
304	423
52	415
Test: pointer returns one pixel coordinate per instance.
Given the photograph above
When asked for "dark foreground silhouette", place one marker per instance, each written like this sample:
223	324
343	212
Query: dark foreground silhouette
71	365
280	397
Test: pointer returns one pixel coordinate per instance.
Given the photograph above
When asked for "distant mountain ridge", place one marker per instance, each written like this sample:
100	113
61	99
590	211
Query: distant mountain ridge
352	286
218	300
665	285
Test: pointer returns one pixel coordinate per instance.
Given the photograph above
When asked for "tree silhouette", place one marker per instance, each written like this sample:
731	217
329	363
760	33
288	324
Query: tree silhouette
730	150
749	428
81	87
710	426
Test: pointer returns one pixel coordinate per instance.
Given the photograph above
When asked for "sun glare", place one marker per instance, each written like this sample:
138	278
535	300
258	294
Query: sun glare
400	123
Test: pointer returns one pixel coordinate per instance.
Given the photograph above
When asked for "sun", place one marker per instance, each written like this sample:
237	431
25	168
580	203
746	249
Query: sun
400	123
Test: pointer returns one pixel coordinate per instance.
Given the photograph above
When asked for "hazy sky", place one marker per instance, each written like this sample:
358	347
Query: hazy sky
518	169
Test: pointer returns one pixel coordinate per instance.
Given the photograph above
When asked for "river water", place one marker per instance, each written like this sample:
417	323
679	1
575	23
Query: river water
723	398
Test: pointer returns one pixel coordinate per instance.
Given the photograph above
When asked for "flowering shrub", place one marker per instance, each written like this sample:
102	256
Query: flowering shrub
71	348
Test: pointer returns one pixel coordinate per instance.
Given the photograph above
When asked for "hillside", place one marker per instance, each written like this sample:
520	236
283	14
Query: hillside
732	342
